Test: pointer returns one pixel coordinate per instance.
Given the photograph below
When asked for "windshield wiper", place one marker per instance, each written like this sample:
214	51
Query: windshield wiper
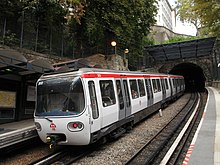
49	119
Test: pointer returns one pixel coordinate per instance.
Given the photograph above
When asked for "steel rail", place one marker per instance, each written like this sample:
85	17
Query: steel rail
140	157
175	152
66	156
48	159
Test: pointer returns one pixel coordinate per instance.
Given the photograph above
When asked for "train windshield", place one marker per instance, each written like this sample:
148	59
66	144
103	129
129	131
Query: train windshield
60	97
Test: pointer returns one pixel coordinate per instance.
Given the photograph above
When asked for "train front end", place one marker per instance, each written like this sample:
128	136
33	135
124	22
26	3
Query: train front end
61	116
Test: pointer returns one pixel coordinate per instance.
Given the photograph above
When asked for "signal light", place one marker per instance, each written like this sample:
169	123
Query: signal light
80	125
75	126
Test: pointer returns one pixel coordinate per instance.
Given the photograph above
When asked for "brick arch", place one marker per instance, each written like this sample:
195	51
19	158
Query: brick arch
204	64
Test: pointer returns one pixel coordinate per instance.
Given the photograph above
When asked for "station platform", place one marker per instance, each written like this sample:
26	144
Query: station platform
16	125
16	132
205	146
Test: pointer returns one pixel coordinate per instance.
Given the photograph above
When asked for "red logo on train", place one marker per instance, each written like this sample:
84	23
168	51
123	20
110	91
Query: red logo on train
52	126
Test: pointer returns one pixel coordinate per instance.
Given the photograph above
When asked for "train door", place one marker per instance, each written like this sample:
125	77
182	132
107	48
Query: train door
157	90
120	96
94	117
107	101
142	93
150	98
163	89
167	86
175	86
171	87
127	98
133	87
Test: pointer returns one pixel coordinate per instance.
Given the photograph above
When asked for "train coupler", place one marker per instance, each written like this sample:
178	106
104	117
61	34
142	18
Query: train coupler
52	140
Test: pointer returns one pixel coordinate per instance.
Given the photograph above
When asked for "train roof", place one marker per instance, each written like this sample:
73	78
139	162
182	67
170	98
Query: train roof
86	71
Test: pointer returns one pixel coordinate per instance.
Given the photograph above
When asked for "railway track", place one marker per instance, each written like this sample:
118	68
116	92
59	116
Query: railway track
156	150
49	158
175	153
65	156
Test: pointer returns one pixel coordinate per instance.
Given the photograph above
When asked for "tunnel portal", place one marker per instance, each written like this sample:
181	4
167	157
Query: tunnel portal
193	75
192	59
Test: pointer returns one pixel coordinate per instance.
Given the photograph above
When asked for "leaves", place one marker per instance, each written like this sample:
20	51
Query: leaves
209	14
126	21
204	14
86	24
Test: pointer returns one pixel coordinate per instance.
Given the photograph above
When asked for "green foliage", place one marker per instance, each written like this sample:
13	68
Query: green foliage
181	38
10	39
209	13
148	41
203	14
9	8
125	21
187	13
45	13
90	24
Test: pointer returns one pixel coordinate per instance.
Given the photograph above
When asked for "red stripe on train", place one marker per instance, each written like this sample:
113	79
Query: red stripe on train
99	75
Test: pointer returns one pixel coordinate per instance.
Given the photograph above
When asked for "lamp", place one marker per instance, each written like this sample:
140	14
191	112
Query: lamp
113	43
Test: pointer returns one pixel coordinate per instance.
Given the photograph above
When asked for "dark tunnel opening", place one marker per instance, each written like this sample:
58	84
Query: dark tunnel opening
193	75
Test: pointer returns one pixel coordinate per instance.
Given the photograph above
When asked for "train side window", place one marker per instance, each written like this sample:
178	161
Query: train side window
141	87
128	101
93	99
107	92
158	85
154	85
134	89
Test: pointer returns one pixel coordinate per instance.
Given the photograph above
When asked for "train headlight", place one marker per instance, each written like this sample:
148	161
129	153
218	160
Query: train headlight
38	126
75	126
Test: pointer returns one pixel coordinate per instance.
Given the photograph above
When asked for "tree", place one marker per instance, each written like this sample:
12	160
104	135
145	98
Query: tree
126	21
82	25
10	12
188	13
209	14
45	17
181	39
75	9
203	14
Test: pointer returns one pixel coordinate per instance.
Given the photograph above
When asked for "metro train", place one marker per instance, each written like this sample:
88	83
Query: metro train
80	107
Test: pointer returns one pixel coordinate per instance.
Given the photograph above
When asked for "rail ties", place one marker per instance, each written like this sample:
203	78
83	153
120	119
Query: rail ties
151	152
66	156
50	158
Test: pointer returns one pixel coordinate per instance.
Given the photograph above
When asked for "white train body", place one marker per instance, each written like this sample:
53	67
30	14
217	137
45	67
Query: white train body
80	107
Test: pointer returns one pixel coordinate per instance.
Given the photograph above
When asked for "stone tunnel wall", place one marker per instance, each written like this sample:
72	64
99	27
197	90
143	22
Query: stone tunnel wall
204	64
